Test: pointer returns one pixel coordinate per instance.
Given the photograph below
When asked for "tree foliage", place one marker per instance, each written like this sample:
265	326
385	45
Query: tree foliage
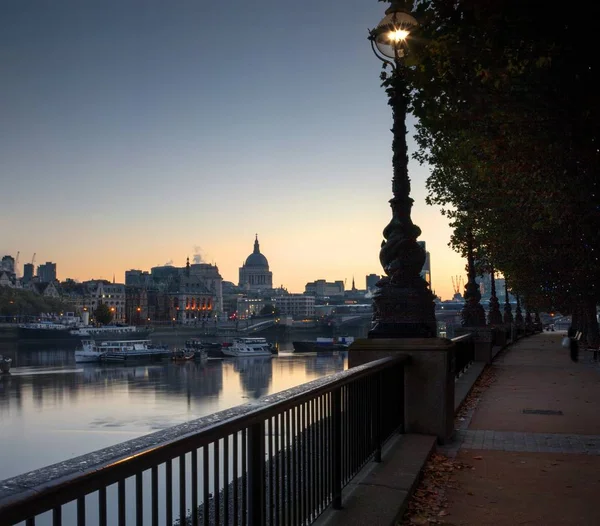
509	122
16	302
269	310
102	314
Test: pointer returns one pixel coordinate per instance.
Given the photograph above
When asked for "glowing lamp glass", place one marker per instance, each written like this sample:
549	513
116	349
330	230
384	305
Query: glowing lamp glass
392	33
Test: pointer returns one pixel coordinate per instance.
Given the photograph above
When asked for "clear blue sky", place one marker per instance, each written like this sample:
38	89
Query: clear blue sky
136	133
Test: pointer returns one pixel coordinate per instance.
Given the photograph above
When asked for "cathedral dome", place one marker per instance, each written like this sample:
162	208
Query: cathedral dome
256	259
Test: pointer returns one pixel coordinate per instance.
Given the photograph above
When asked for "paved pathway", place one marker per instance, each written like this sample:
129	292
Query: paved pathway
533	441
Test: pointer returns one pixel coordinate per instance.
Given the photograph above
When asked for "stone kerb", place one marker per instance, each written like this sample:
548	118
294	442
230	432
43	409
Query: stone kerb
428	380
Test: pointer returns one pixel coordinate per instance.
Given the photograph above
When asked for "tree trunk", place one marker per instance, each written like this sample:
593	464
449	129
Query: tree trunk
592	334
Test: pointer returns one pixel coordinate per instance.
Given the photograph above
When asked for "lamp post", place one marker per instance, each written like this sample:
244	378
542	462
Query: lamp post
494	316
473	314
519	315
402	303
508	317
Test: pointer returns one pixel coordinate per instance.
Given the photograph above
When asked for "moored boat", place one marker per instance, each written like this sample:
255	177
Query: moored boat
323	344
110	332
44	330
51	331
212	349
120	350
247	347
182	355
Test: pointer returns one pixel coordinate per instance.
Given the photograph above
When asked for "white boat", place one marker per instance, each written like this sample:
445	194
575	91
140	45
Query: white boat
119	350
5	364
247	347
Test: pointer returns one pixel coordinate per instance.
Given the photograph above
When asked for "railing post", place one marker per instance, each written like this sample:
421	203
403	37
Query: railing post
377	415
336	448
256	474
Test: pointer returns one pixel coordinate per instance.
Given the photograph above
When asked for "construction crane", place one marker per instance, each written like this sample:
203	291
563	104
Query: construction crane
33	259
457	285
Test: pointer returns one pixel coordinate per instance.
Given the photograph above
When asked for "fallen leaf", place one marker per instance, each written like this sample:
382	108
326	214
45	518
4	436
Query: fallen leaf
478	457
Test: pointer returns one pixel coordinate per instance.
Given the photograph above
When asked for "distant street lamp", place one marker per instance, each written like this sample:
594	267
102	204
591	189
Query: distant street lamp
494	315
519	314
402	303
473	314
508	317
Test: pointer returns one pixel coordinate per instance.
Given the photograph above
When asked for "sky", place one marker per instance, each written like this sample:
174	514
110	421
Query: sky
133	134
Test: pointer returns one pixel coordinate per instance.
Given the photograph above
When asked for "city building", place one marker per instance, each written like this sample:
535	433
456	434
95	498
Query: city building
167	293
371	281
137	278
111	294
28	270
247	307
213	282
254	274
8	265
323	289
192	300
426	271
77	295
47	289
296	305
7	279
47	272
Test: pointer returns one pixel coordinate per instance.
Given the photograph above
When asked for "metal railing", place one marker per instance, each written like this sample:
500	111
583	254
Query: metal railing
279	460
464	353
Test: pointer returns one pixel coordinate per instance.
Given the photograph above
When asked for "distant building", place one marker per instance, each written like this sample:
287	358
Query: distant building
372	280
426	271
46	289
246	307
187	295
323	289
111	294
47	272
254	274
296	305
7	280
208	275
137	278
8	264
27	273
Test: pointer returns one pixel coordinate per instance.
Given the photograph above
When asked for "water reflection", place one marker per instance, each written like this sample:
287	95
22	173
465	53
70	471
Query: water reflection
52	409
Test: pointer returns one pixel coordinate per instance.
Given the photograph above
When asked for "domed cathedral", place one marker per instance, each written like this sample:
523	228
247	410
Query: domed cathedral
254	273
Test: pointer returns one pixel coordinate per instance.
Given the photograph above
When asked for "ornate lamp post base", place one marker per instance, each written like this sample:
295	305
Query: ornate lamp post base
403	311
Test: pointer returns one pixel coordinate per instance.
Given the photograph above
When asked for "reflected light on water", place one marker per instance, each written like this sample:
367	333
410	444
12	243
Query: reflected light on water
50	412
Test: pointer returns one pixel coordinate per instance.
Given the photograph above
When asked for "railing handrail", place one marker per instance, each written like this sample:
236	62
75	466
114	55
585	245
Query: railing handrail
91	472
462	338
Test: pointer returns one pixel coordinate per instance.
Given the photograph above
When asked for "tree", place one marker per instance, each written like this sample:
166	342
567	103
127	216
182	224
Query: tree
269	310
102	314
508	122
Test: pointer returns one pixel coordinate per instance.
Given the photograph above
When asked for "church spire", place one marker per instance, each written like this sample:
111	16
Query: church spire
256	247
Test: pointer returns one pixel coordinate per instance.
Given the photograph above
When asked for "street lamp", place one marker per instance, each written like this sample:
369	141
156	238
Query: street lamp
402	303
473	314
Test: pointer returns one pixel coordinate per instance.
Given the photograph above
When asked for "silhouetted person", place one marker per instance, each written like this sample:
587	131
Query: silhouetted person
573	344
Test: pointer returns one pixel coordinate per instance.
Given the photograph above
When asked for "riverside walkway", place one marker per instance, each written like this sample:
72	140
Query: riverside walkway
530	446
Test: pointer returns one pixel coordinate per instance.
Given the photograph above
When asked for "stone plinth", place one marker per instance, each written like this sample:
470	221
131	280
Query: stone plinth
483	339
428	384
500	335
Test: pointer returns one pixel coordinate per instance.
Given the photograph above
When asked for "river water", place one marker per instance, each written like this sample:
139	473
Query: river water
52	409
